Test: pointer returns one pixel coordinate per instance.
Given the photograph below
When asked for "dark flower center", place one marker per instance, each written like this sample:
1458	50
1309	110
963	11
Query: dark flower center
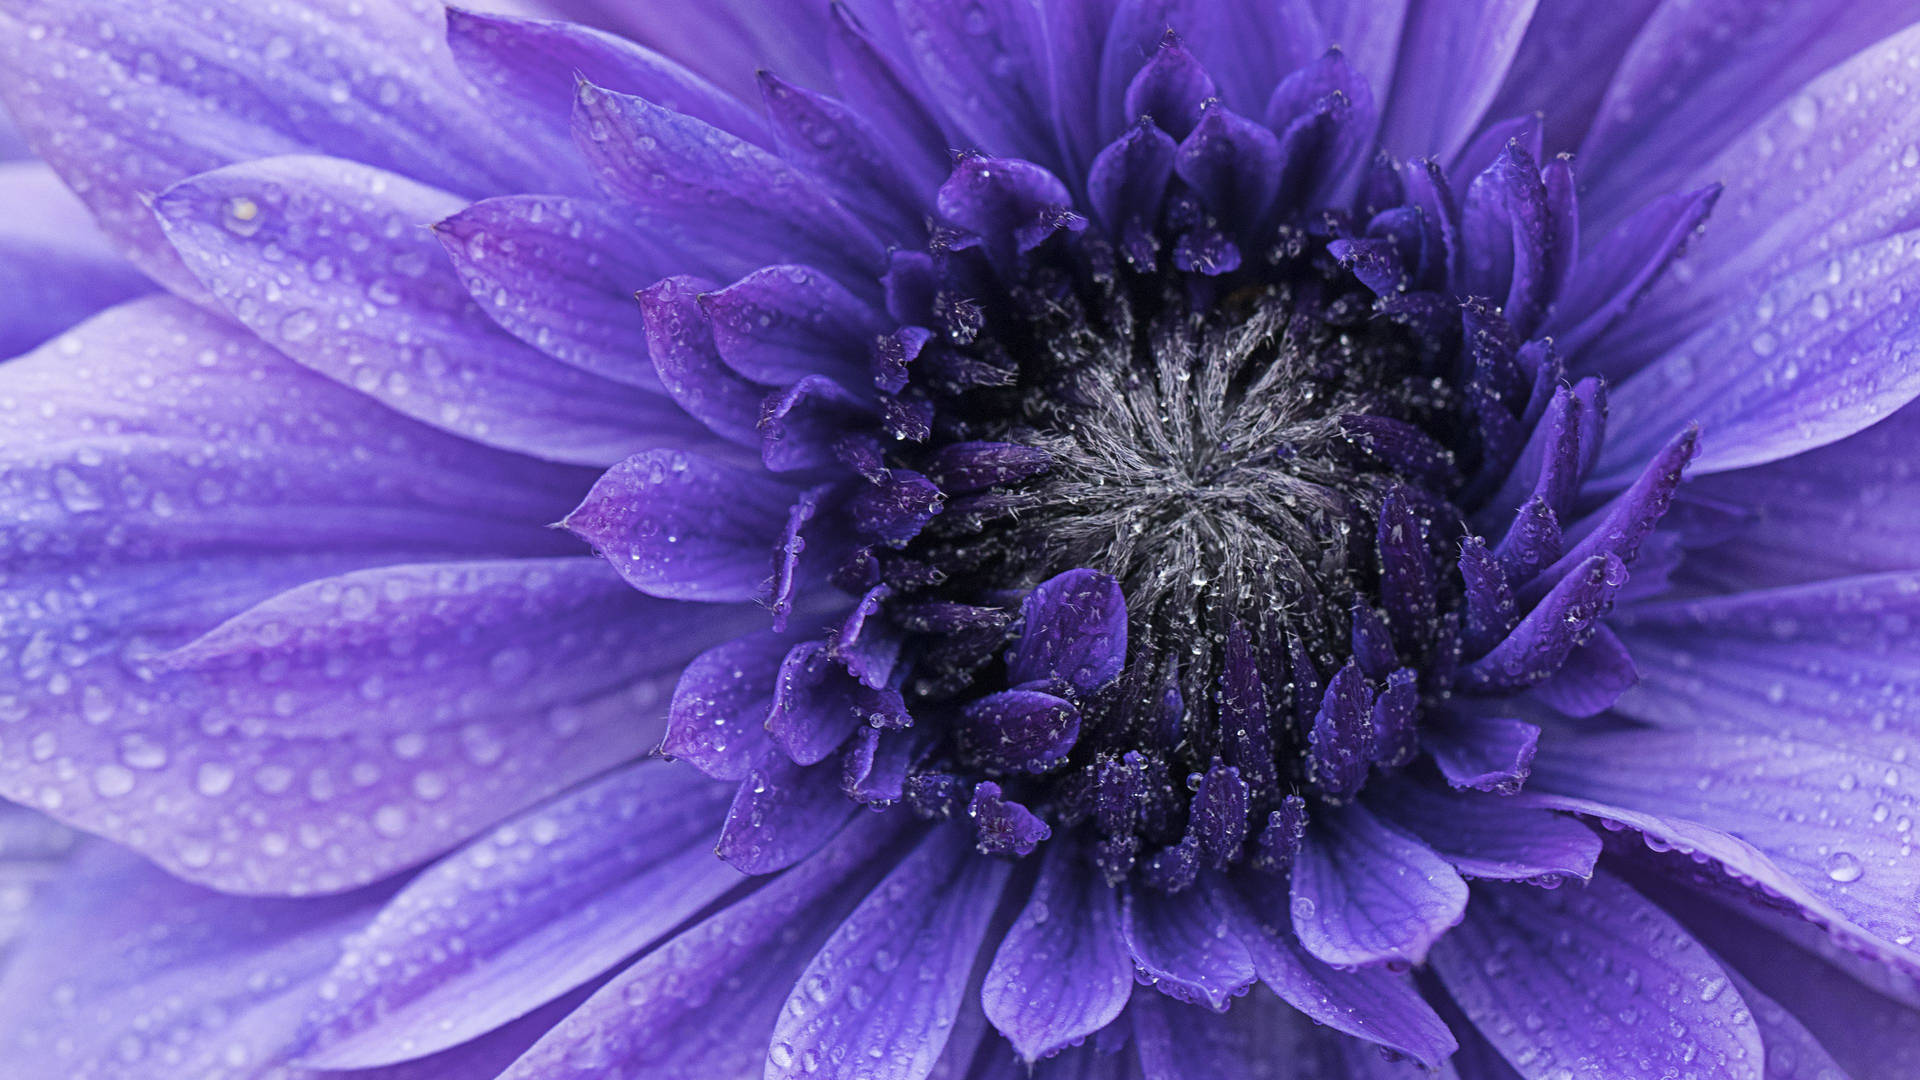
1230	448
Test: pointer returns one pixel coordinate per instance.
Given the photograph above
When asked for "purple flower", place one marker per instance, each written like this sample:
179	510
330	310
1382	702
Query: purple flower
1121	539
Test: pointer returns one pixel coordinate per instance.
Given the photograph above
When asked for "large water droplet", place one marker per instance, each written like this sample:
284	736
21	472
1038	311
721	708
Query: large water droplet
1844	866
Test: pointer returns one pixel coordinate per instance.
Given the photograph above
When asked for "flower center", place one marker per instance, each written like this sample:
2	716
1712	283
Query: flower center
1215	444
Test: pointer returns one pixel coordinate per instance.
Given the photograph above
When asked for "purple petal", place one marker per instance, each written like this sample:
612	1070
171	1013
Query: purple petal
1524	129
961	468
1550	975
781	814
446	662
1246	48
1170	89
783	323
1126	183
1407	586
1487	836
872	79
726	40
1844	509
685	527
658	1016
559	274
1816	661
679	338
533	65
1481	752
364	296
372	84
1375	1004
1794	370
1062	972
1795	818
1698	75
55	267
1018	730
35	852
1004	826
1772	220
713	195
1801	990
1184	946
1623	266
887	985
1364	892
982	62
130	973
814	706
1341	739
1075	631
1537	647
1592	679
1173	1042
834	142
1233	164
538	907
219	473
1453	56
1564	62
1617	530
718	718
1333	100
1369	35
1011	204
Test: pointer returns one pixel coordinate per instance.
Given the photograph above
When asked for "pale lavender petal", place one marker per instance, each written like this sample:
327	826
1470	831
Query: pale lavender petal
35	851
1063	971
1552	976
365	296
1364	892
212	468
886	987
1822	661
1852	507
55	267
658	1018
1797	820
538	907
86	81
1845	146
131	974
1699	74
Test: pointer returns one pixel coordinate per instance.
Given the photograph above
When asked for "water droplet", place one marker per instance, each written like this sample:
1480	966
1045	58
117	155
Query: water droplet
242	216
1844	867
